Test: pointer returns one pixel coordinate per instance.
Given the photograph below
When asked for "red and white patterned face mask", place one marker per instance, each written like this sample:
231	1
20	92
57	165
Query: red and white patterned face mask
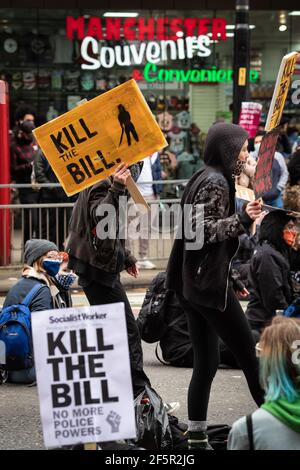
238	168
289	237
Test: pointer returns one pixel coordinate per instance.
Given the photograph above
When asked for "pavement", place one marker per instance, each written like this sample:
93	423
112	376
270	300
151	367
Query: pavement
229	400
10	275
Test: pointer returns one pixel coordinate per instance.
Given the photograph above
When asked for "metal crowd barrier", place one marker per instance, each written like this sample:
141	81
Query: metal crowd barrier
51	221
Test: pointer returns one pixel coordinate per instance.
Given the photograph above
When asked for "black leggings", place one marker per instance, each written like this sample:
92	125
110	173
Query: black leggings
98	294
206	326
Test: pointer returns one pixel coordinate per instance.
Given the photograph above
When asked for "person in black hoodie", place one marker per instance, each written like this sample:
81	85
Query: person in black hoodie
271	264
200	275
98	262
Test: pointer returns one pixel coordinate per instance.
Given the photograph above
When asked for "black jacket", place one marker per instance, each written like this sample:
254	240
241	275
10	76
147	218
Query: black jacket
45	174
270	267
202	275
110	254
41	301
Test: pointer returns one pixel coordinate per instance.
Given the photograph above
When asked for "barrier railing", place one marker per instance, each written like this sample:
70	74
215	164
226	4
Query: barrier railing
51	221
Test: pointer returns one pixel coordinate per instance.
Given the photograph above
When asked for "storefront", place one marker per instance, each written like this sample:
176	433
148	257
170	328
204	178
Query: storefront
181	59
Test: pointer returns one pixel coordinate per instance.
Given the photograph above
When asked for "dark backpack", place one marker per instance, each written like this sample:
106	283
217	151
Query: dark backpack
15	333
150	321
162	319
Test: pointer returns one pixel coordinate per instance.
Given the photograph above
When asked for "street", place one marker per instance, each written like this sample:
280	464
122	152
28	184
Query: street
20	423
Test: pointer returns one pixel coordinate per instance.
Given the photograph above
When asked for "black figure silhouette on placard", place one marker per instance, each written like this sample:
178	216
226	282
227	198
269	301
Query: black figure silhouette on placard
126	125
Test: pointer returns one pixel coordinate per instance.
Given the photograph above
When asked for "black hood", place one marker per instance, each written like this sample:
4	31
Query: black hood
271	229
223	145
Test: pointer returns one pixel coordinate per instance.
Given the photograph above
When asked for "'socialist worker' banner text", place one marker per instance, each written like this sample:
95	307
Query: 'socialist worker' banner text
86	144
83	375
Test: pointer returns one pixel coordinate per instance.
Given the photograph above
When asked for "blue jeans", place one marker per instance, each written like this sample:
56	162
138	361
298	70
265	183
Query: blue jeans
276	202
25	376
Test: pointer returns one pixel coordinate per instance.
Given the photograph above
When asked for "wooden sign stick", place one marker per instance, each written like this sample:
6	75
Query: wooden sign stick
136	193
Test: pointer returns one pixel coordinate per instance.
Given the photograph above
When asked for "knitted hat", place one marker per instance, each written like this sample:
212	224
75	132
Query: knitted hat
36	248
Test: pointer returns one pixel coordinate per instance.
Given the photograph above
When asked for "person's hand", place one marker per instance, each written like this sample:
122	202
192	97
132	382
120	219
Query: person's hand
121	174
261	217
253	209
133	270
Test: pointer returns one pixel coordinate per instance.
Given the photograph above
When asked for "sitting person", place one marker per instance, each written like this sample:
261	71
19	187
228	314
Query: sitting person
42	265
276	424
272	261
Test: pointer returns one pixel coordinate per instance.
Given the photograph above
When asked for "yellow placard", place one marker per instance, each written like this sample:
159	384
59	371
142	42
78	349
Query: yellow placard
242	76
281	89
85	145
244	193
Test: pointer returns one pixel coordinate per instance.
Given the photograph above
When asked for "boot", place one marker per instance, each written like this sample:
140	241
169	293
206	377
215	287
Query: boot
198	441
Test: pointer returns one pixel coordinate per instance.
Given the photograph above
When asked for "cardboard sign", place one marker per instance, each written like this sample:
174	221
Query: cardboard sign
281	89
85	145
263	174
83	374
250	117
244	193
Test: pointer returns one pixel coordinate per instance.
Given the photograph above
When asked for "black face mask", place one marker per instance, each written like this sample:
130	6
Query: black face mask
238	168
135	170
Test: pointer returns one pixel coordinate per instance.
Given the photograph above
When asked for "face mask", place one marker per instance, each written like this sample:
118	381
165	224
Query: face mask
65	280
238	168
256	147
51	266
289	237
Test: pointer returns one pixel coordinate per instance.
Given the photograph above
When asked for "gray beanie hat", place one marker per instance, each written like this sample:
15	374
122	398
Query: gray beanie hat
36	248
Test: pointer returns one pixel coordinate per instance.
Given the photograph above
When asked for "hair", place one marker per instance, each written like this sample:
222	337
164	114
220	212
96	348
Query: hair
21	111
279	374
259	133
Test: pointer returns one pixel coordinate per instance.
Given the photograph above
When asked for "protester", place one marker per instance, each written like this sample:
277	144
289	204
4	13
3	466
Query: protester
98	262
42	264
151	171
199	276
276	424
54	221
23	150
272	261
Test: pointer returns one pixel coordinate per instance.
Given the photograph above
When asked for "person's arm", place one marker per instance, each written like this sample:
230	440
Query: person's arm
270	281
214	225
284	174
42	300
130	260
18	162
39	169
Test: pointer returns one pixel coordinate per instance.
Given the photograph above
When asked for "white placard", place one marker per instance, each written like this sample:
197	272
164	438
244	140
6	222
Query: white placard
83	374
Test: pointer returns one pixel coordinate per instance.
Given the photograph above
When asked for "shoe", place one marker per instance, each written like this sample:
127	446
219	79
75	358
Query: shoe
198	441
145	264
171	407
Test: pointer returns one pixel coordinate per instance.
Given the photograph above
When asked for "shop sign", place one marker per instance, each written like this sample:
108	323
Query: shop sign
85	145
167	39
141	29
152	73
281	89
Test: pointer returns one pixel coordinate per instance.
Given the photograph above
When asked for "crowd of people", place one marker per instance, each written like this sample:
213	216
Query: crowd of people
201	279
